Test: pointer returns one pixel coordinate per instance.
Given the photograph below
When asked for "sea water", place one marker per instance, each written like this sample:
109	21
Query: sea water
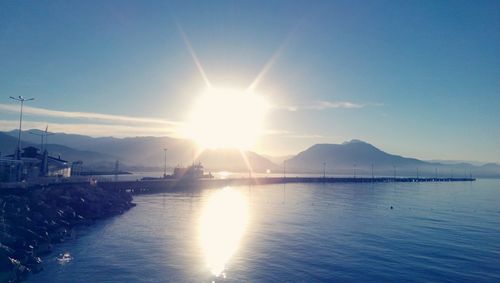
446	232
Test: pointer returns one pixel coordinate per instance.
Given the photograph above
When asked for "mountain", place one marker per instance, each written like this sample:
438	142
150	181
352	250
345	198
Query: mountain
347	155
277	159
143	151
8	146
454	162
88	157
489	169
357	157
146	154
219	159
135	153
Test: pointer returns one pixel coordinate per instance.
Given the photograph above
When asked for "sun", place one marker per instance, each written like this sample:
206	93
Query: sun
227	118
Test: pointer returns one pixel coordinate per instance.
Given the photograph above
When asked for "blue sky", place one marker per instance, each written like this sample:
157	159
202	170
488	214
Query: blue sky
417	78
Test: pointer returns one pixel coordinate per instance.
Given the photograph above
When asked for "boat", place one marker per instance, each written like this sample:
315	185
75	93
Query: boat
195	171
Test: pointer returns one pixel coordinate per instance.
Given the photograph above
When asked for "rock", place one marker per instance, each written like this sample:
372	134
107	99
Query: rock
34	263
31	220
43	248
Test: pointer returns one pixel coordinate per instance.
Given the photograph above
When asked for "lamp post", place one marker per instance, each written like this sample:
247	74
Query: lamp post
46	135
165	164
324	170
284	169
22	100
43	136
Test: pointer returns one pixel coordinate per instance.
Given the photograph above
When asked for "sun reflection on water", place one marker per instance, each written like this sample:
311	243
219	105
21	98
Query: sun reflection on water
222	225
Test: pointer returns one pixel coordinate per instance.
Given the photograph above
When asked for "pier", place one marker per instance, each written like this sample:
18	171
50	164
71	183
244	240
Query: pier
165	185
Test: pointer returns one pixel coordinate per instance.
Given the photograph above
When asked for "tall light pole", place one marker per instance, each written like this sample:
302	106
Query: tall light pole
372	172
47	134
324	169
284	169
165	164
22	100
43	137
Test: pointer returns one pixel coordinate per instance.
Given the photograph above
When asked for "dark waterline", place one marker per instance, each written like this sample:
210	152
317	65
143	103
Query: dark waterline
301	233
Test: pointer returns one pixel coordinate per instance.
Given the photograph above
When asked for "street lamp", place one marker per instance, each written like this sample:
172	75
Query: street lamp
165	166
46	135
284	169
324	170
22	100
43	136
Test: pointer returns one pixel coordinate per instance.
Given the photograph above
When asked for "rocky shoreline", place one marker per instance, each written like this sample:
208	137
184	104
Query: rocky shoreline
31	221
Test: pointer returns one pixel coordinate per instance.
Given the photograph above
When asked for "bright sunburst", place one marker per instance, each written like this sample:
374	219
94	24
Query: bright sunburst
225	118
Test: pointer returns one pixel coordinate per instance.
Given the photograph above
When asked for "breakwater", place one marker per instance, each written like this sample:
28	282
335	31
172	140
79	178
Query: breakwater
32	220
163	185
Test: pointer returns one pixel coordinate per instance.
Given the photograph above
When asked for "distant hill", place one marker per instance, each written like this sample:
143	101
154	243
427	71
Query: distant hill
144	151
489	170
97	159
357	157
454	162
136	153
232	158
8	146
347	155
146	154
277	159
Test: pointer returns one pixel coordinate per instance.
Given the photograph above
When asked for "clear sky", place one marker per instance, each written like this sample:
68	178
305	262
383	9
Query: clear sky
417	78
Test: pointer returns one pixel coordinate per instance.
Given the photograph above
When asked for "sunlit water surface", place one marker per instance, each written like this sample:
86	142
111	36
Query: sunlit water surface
299	232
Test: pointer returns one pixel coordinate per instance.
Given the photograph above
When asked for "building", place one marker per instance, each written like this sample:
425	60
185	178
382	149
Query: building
32	165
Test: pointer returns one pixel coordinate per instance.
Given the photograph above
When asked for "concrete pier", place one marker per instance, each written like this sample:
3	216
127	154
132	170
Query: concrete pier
165	185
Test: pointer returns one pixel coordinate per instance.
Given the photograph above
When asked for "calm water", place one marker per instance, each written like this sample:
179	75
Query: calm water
298	233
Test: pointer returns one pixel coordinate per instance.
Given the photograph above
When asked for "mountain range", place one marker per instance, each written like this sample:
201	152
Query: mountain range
146	154
358	157
135	153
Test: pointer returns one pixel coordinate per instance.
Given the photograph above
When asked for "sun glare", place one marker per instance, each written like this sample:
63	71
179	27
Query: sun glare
227	119
222	225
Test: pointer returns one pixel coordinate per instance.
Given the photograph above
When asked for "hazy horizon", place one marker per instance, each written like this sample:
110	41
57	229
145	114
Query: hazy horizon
270	156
